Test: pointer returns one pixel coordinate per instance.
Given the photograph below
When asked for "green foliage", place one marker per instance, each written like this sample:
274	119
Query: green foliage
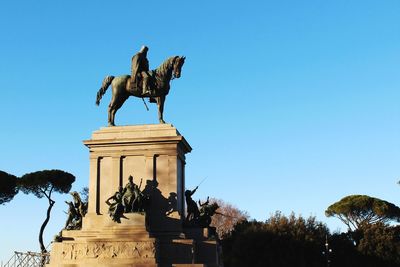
295	241
298	227
43	183
378	245
8	187
280	241
381	242
344	252
358	210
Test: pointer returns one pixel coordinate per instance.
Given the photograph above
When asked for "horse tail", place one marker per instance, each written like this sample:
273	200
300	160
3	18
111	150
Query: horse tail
106	83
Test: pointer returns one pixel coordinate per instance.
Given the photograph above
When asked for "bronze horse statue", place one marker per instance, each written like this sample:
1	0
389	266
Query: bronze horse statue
158	83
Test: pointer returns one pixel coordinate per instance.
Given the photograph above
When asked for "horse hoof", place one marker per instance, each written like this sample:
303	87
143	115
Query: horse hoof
162	121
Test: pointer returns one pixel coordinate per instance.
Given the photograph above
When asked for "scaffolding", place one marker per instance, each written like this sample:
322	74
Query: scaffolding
28	259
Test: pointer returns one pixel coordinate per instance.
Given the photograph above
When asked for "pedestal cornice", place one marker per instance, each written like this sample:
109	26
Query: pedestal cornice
138	135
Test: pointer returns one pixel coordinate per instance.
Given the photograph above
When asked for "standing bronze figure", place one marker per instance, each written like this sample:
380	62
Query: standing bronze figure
116	208
191	207
143	83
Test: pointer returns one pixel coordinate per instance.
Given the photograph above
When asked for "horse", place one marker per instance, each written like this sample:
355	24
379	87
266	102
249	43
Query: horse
206	213
158	82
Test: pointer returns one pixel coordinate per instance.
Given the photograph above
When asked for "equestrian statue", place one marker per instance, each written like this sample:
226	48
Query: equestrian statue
142	83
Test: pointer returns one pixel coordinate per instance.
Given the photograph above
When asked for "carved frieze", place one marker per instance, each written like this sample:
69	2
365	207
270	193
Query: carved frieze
108	250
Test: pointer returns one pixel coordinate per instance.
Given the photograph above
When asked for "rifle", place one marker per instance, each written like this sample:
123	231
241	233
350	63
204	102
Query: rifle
201	182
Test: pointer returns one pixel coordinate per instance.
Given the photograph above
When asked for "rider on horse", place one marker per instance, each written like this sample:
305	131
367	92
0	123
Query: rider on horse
140	70
141	83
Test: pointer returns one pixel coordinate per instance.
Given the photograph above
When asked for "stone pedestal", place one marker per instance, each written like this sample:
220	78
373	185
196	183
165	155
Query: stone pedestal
155	156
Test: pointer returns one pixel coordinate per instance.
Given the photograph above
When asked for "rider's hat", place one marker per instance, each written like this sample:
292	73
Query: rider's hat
144	48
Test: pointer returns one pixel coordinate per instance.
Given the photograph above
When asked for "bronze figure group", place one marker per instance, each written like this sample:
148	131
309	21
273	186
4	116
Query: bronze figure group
126	200
77	209
131	199
199	217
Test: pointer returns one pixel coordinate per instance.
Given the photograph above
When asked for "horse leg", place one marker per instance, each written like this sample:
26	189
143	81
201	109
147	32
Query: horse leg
111	110
160	104
111	114
118	98
115	104
111	106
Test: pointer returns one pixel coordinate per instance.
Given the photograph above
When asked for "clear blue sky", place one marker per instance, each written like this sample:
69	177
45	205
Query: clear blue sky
288	105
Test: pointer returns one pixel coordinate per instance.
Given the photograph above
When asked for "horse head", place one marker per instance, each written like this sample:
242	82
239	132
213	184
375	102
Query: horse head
177	66
214	207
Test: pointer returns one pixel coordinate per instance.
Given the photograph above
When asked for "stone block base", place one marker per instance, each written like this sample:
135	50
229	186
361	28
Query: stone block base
130	244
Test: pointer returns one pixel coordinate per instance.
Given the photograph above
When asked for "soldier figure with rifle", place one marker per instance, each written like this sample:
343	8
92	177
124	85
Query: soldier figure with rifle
192	209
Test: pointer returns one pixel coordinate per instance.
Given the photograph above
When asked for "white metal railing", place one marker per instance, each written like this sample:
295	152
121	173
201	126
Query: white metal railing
27	259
